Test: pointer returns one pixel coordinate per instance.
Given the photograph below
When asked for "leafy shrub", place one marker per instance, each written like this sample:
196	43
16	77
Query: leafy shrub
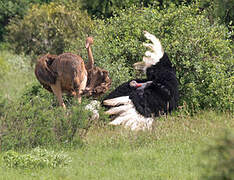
106	9
13	8
219	159
37	158
224	11
200	51
49	28
36	120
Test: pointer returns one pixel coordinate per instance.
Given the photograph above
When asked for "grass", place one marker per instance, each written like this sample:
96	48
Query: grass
15	74
173	150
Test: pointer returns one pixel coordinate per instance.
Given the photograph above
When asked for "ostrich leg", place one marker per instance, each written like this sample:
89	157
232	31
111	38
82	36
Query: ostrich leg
81	88
56	88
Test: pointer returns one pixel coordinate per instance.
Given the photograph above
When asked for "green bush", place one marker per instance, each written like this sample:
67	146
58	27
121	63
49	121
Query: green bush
224	11
37	158
200	51
13	8
49	28
106	8
36	120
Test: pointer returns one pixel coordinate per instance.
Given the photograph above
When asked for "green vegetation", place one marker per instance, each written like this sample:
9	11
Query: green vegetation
224	11
15	73
37	158
174	150
219	158
49	28
14	8
201	51
39	140
106	8
34	120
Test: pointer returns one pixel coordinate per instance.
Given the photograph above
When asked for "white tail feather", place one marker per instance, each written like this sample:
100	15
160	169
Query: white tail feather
148	45
148	60
151	54
156	47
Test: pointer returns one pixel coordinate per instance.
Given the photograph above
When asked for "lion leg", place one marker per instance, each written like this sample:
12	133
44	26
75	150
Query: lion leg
56	88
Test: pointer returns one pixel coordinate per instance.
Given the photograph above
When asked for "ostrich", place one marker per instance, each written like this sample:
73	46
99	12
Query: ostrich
137	102
67	73
63	73
98	78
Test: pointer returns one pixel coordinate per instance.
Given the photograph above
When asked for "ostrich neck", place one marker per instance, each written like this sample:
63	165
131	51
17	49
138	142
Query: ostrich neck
90	56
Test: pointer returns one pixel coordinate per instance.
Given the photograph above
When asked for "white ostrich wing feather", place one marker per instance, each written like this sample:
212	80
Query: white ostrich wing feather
119	109
128	116
117	101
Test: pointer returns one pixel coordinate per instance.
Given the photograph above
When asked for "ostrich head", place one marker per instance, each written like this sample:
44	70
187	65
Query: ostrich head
135	84
151	57
89	42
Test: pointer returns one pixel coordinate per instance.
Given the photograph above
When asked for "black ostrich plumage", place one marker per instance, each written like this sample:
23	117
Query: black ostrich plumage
160	97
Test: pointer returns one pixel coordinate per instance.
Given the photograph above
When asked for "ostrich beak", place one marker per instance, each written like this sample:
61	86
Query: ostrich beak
138	85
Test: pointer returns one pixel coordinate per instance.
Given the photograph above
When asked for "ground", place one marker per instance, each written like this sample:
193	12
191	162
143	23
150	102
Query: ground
174	150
